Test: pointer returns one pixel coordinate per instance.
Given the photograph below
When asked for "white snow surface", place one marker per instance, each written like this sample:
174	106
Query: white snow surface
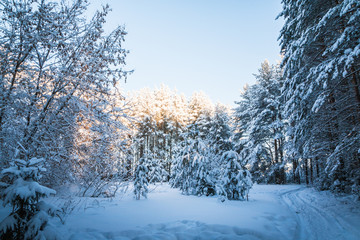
272	212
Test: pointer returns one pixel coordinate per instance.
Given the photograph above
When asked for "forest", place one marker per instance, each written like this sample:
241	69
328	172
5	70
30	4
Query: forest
65	121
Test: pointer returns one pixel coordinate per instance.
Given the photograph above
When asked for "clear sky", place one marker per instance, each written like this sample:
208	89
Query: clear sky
211	45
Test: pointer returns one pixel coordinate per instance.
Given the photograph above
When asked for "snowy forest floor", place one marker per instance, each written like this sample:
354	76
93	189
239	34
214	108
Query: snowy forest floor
272	212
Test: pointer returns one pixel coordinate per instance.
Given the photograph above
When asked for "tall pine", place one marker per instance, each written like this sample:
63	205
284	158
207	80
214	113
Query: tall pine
320	42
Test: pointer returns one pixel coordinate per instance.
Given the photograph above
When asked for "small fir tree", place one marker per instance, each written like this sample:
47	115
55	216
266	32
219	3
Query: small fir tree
181	167
236	182
155	169
204	169
193	169
141	183
29	216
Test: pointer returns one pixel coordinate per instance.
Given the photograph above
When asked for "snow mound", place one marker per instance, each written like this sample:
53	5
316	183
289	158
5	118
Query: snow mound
180	230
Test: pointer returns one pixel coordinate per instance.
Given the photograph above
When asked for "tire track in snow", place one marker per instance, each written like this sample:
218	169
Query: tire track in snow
314	222
300	231
351	231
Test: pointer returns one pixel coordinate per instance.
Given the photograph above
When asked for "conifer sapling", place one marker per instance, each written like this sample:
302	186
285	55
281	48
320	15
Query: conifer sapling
29	216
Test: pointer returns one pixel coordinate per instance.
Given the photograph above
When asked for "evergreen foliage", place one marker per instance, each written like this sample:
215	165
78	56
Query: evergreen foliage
260	128
320	41
59	100
191	167
235	182
161	116
29	216
199	167
141	183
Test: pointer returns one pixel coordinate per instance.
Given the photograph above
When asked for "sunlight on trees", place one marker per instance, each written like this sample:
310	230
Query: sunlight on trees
61	110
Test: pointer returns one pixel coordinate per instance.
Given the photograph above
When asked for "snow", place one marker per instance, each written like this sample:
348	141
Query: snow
26	190
320	216
272	212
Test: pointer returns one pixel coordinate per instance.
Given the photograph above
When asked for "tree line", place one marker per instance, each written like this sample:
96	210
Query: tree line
61	110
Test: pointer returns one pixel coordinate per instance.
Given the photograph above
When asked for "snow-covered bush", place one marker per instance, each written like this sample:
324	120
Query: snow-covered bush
29	216
141	183
236	181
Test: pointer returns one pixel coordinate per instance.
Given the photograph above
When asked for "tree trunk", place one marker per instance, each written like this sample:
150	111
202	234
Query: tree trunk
306	171
311	170
295	178
281	151
276	151
317	167
355	82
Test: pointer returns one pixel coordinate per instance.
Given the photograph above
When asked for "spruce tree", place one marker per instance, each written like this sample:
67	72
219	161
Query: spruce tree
156	172
259	126
141	183
320	42
236	181
181	172
193	168
29	216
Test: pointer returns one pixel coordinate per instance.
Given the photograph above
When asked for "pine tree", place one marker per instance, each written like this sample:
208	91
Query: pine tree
204	169
29	216
181	172
141	183
194	170
220	131
161	115
156	172
259	126
235	182
322	90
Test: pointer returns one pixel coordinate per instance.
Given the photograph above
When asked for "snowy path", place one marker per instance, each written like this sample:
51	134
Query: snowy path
273	212
167	214
320	218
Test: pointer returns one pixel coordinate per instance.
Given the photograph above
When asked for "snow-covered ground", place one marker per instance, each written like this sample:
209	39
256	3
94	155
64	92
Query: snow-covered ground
273	212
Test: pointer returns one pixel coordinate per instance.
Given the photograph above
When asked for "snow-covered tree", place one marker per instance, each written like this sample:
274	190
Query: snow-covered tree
161	116
141	183
204	168
156	171
259	126
218	130
159	119
181	174
320	42
194	168
29	216
199	104
236	181
57	69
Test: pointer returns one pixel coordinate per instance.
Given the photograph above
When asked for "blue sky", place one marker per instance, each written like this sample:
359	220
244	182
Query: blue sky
210	45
